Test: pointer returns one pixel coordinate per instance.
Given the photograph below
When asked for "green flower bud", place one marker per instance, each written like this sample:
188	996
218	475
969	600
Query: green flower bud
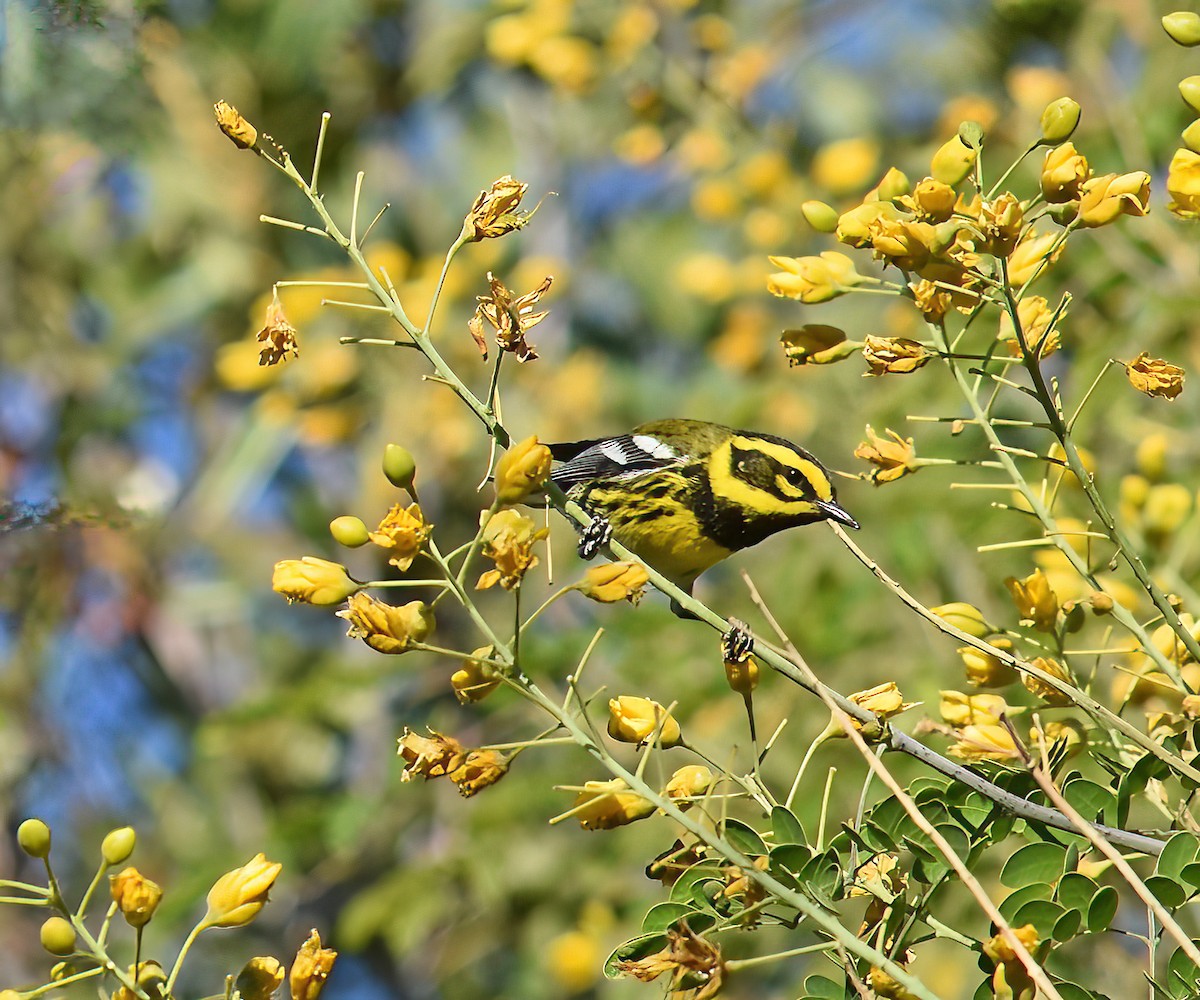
1059	120
117	845
892	186
1183	26
953	161
1191	136
399	466
823	218
1189	90
34	837
349	531
58	936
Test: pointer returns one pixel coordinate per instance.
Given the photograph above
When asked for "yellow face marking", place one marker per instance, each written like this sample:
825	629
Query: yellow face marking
741	492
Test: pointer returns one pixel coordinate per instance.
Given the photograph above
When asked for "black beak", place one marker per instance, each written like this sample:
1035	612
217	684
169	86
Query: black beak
835	513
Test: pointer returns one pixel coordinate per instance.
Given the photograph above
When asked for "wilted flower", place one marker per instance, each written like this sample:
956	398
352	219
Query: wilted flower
892	459
313	581
1035	601
508	540
239	131
1035	315
815	344
510	317
893	355
237	896
688	958
387	628
479	769
495	211
985	669
1105	199
433	756
813	279
636	720
1063	174
988	741
522	470
136	896
1040	688
277	336
615	581
475	679
1155	377
1183	184
258	980
604	805
689	782
402	532
310	968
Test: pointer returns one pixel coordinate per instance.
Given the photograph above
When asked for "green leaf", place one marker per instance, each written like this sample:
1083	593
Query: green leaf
1191	874
662	915
1088	797
1034	863
1067	926
889	816
632	950
1073	991
1167	891
786	827
1102	909
1178	852
820	988
823	874
792	857
1014	901
1075	891
744	838
1042	913
1181	970
683	891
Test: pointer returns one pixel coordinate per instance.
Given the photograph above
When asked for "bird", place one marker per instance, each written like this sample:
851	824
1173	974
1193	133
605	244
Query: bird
683	495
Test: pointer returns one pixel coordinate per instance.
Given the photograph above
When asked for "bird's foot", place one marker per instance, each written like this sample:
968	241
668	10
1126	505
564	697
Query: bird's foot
594	537
737	644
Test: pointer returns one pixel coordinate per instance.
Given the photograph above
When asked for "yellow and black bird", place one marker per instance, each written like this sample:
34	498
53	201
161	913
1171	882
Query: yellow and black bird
685	494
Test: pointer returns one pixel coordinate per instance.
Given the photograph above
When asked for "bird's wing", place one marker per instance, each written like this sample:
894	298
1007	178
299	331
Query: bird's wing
609	458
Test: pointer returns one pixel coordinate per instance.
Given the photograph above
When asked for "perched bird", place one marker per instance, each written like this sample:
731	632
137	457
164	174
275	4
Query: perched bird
685	494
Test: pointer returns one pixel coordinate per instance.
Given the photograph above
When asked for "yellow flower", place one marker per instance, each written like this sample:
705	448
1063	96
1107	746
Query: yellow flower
508	540
1001	221
636	720
689	782
1035	315
612	582
953	161
1166	508
986	669
402	532
884	700
510	317
1029	255
984	742
387	628
815	344
604	805
478	770
1040	689
905	242
277	336
845	165
892	459
239	131
310	968
964	617
881	872
1035	601
1060	120
475	679
136	896
857	226
433	756
495	211
522	470
1063	174
999	950
1105	199
813	279
313	581
893	355
893	186
960	709
932	201
886	987
258	980
237	896
1183	184
1155	377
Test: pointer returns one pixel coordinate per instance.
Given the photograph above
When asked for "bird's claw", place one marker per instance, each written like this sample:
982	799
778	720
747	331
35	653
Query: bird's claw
594	537
737	644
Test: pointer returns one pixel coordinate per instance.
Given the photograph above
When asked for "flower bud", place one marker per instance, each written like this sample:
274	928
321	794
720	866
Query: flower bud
1191	137
239	131
313	581
1102	603
892	186
311	968
816	344
522	470
984	669
58	936
636	720
349	531
1189	90
1059	120
136	896
260	978
1104	199
953	162
823	218
603	805
237	896
399	466
1183	26
117	845
813	279
689	782
964	617
34	837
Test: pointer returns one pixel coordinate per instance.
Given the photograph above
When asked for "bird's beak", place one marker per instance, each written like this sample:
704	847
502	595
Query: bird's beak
835	513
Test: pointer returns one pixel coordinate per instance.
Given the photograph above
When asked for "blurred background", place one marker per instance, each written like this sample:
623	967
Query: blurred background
153	472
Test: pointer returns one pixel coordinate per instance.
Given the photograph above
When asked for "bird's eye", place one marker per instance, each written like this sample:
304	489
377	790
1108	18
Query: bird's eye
795	477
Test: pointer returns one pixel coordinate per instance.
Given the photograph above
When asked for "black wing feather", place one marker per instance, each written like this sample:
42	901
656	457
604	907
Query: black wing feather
603	458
